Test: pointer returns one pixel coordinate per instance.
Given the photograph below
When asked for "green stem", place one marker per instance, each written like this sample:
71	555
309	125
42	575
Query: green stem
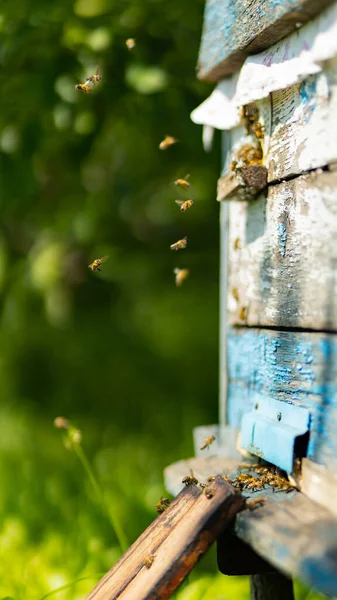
120	535
68	585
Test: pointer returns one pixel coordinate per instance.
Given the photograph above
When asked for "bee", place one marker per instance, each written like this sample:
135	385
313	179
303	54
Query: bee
83	87
179	245
235	294
209	493
181	275
248	114
130	43
251	504
184	204
237	244
250	155
162	504
95	266
243	313
258	129
189	479
183	183
207	442
94	78
148	561
167	142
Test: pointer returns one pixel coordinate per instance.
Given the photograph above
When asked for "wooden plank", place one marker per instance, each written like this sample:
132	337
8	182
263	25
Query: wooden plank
233	30
291	367
271	586
175	542
293	533
283	256
303	132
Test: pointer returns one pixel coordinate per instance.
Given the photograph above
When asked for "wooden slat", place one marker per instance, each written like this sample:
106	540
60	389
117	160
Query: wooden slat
283	256
233	30
295	535
300	368
176	540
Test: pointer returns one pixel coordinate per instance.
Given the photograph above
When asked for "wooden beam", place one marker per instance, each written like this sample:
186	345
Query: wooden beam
271	586
283	256
233	30
165	553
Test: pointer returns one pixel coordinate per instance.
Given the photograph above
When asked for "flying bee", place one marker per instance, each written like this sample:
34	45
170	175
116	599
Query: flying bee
183	183
148	561
180	244
83	87
181	275
207	442
130	43
167	142
184	204
258	129
95	266
162	504
94	78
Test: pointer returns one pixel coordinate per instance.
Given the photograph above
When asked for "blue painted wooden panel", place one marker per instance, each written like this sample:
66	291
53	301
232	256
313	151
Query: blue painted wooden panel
234	29
295	367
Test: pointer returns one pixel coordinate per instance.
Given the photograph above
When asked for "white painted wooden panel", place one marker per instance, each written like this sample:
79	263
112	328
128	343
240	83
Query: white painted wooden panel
283	256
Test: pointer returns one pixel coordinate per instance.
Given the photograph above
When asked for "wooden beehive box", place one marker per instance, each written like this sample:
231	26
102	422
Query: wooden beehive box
275	64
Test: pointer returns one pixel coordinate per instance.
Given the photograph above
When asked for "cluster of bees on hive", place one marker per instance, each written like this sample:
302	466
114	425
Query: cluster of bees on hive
249	154
250	477
180	274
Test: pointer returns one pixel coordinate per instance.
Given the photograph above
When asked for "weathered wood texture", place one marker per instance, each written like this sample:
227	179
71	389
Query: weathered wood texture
294	534
292	367
271	586
176	539
233	30
243	184
283	256
303	133
297	536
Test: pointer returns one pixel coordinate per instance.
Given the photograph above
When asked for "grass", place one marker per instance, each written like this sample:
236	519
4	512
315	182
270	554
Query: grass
60	532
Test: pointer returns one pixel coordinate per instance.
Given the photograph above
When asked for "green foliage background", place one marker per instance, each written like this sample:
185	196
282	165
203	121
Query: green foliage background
128	357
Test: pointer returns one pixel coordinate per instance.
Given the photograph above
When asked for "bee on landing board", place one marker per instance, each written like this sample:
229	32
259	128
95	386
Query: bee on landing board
181	275
180	244
207	442
184	204
189	479
94	78
148	561
95	266
167	142
82	87
130	43
162	504
183	183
